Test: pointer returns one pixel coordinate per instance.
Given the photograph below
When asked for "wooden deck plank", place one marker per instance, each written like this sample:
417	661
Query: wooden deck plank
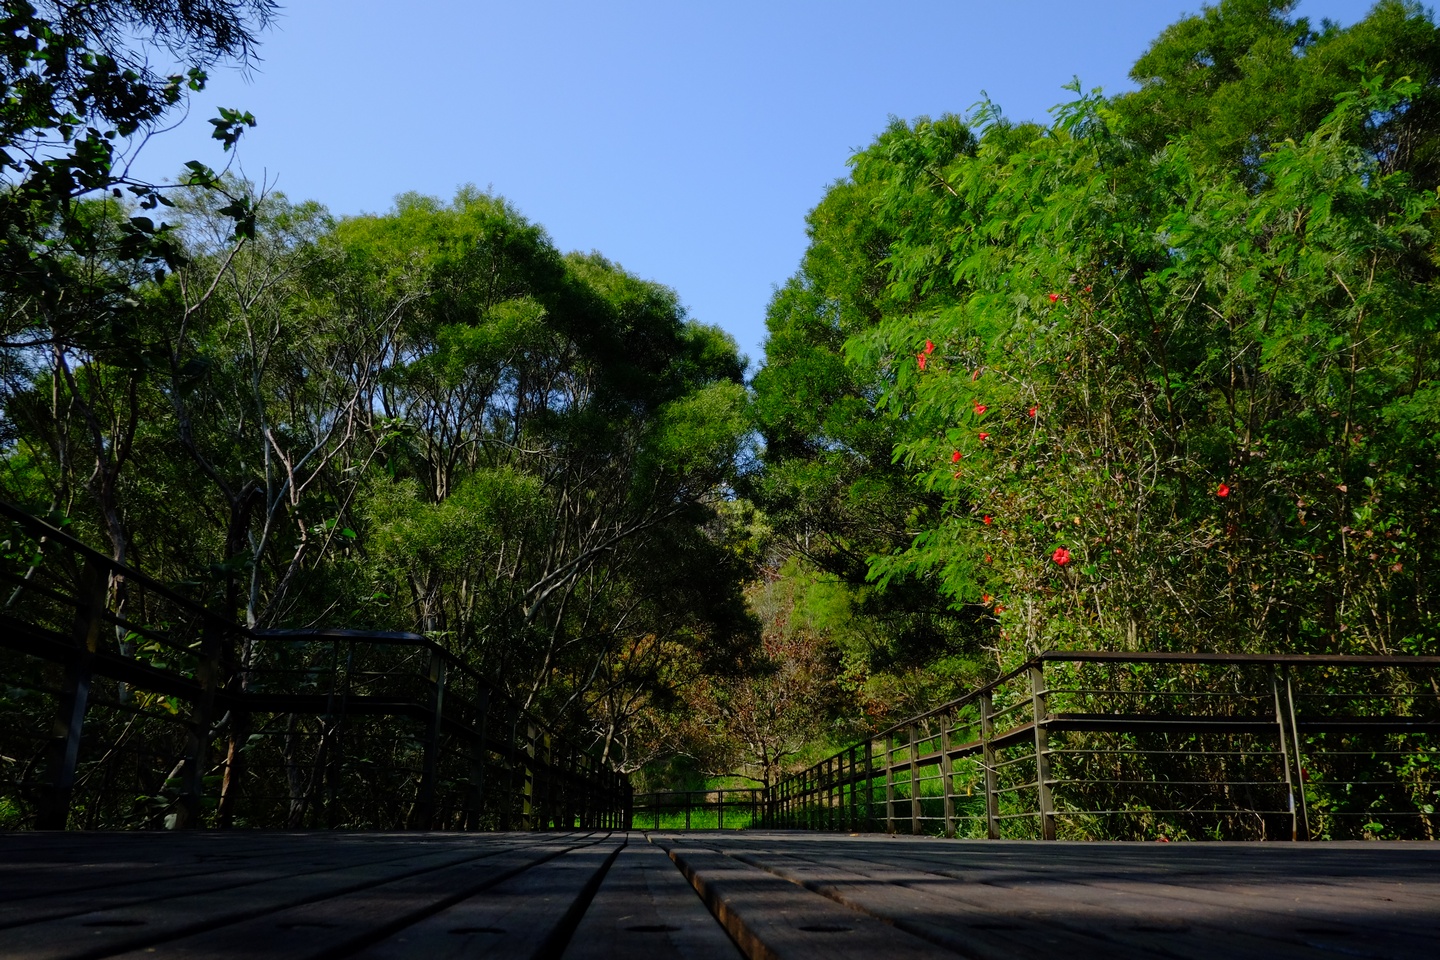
1266	913
646	909
302	896
1385	890
1072	919
774	919
341	924
69	889
900	897
104	932
528	915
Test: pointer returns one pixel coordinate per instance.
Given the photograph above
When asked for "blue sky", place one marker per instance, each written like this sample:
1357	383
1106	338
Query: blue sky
684	141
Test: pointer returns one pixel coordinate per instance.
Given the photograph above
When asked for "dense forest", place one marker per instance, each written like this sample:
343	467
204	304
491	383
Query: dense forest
1159	373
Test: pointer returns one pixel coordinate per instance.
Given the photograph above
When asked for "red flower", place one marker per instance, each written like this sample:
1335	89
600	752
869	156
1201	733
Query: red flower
1061	556
1224	490
987	519
1054	297
1034	410
920	359
929	348
985	598
987	558
980	408
984	437
999	608
955	457
956	475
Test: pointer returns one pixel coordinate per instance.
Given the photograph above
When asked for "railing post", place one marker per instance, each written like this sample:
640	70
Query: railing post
988	759
828	791
527	808
197	748
947	771
915	810
626	790
548	785
74	699
335	765
850	788
1282	721
890	782
587	791
478	755
1040	708
1299	759
870	782
236	668
425	808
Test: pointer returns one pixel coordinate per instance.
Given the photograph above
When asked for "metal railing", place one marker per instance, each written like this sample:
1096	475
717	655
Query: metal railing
1149	745
124	703
721	809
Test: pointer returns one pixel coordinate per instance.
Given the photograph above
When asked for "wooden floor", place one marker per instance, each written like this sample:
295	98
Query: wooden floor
280	896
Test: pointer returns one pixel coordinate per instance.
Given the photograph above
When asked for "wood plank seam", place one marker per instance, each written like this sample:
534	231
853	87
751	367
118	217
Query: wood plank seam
138	940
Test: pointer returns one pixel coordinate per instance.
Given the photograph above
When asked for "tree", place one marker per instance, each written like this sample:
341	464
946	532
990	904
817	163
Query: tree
1075	364
1173	398
1242	75
81	97
827	480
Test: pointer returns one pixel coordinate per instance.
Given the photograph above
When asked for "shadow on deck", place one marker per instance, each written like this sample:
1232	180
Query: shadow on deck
229	896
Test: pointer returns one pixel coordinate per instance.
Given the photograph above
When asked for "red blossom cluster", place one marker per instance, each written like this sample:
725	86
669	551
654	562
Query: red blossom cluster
923	356
1061	556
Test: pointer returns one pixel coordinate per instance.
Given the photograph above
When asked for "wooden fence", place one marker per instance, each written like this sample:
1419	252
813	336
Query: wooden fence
124	703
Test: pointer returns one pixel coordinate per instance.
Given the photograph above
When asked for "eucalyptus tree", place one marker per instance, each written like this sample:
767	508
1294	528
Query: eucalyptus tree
554	431
84	89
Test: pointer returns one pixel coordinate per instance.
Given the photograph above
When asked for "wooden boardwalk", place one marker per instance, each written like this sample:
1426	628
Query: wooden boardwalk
288	896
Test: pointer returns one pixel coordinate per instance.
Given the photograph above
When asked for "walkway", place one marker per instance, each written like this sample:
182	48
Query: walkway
278	896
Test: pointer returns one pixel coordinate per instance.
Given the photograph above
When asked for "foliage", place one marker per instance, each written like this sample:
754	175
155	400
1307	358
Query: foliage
429	420
1163	363
81	97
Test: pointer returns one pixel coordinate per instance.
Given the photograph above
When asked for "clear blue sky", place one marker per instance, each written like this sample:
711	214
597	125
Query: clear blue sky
685	141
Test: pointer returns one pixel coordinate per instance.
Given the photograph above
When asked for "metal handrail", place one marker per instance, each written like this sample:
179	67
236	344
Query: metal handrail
900	759
548	774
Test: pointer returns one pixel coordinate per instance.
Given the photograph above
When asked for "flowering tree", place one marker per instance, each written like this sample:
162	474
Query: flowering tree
1163	397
